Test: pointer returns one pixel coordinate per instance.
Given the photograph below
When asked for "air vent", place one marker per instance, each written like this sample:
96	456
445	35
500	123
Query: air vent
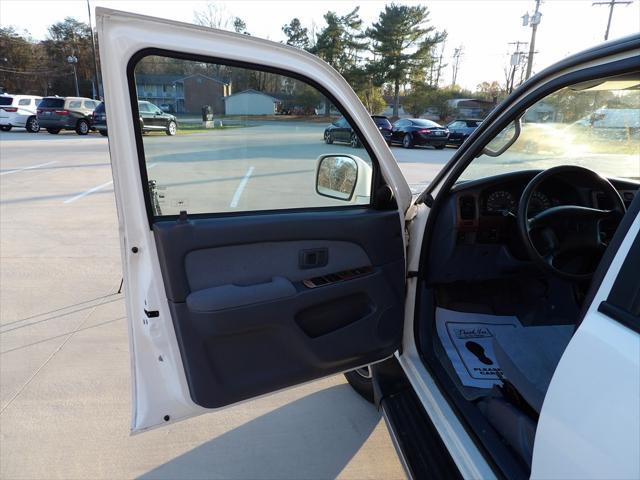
467	208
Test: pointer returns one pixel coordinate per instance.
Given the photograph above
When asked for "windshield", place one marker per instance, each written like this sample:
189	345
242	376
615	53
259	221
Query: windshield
596	126
424	123
382	122
52	103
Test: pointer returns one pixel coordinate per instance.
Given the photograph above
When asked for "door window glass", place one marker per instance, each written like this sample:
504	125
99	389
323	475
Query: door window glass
75	104
247	140
24	101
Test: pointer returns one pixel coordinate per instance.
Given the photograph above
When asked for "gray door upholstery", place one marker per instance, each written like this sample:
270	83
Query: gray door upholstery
262	302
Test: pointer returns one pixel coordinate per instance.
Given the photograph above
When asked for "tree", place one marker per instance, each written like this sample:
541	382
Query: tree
297	35
491	91
239	26
69	37
20	70
372	99
402	42
418	100
306	97
340	42
213	15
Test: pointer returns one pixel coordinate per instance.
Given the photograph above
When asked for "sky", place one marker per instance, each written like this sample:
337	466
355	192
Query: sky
483	28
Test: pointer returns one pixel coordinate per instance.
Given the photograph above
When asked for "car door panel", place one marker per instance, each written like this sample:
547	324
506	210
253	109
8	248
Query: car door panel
231	304
258	308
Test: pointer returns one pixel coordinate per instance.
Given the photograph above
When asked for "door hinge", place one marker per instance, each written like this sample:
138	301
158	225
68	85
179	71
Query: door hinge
151	313
412	274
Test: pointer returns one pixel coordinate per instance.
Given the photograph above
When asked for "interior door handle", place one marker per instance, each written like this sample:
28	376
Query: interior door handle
313	258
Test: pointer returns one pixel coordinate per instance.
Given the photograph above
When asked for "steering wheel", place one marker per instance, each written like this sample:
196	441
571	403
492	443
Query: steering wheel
566	240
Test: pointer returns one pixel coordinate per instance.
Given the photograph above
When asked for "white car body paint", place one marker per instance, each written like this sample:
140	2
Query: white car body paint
589	425
160	392
465	453
159	388
462	448
23	112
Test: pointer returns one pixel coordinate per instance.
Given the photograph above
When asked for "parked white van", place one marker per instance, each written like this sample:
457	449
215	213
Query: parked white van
19	111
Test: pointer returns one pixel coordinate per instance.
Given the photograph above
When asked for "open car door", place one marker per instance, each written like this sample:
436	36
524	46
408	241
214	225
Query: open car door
257	254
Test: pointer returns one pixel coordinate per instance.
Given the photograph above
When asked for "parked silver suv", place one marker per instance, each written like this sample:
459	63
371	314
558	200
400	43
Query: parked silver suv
70	113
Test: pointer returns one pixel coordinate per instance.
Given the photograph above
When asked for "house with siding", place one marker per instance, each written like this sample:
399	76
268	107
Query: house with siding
250	102
186	94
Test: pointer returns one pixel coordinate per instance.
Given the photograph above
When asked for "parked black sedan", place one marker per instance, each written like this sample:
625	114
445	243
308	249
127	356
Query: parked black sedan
460	129
341	131
410	132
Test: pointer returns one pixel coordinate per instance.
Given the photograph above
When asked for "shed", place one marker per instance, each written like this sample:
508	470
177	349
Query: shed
250	102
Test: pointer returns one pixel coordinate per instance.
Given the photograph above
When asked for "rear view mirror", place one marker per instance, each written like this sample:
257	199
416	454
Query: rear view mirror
503	140
337	176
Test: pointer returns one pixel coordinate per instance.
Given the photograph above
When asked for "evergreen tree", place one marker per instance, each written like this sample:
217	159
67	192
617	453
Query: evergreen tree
297	35
402	42
340	43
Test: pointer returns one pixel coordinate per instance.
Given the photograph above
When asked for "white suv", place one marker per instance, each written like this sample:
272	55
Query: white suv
494	319
19	111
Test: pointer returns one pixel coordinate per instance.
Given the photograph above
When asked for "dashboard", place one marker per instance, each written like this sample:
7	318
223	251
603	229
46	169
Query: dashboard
476	235
487	208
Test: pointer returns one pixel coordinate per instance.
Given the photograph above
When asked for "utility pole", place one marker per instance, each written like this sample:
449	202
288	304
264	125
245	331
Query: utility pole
457	53
612	4
515	61
96	93
533	21
439	70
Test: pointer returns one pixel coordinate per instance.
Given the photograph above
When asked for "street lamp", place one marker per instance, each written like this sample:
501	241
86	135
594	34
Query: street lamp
73	60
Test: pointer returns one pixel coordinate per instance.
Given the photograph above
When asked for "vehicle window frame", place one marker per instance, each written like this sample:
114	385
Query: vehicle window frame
376	174
624	297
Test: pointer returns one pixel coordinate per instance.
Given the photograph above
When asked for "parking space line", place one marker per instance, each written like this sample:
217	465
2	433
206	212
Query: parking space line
9	172
240	189
95	189
88	192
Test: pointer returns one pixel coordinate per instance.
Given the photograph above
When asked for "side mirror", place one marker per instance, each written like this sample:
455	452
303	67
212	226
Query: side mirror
337	176
503	140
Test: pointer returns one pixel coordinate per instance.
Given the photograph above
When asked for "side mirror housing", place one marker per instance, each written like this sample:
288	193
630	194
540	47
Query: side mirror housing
503	140
337	176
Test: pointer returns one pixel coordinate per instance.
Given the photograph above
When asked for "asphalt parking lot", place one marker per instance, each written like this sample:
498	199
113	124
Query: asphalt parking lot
64	361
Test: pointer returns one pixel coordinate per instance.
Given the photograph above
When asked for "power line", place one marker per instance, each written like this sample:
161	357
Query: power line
35	72
612	4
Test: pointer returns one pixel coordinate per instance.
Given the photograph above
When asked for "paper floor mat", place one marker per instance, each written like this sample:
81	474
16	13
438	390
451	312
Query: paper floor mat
468	341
